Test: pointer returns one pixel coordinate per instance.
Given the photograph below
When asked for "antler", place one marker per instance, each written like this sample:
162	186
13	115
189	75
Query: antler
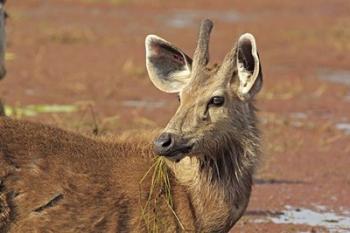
201	54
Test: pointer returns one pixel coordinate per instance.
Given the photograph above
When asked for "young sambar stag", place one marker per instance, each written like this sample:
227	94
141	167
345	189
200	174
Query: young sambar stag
58	181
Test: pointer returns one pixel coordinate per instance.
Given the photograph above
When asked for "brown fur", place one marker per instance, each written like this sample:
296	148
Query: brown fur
57	181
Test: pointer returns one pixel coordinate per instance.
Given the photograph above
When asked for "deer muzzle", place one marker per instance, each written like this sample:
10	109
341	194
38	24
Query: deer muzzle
171	146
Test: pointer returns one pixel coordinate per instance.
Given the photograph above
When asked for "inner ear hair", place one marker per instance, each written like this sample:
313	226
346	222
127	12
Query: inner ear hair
244	55
168	67
248	67
170	52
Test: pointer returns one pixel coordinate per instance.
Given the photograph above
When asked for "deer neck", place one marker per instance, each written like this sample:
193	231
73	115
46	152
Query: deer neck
215	197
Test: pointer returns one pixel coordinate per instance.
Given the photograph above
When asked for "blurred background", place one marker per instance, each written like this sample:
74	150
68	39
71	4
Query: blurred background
79	64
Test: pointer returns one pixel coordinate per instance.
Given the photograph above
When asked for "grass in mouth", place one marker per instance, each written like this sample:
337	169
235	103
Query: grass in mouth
151	210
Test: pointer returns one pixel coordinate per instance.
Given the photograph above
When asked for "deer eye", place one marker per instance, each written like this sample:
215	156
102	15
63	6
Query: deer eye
217	101
178	98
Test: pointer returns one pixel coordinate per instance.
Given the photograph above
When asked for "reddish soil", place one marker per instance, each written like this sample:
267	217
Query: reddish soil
92	54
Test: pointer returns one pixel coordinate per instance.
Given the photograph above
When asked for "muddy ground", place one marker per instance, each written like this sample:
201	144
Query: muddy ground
90	54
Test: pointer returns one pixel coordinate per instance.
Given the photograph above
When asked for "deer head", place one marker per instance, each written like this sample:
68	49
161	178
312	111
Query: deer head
215	103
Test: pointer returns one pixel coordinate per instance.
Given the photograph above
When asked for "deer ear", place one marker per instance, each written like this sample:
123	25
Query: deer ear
168	67
248	67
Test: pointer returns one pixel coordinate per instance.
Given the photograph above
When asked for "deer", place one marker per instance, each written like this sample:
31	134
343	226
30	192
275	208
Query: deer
3	16
55	180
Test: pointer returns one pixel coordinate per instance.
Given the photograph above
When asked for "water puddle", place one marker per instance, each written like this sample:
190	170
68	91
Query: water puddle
190	18
33	110
345	127
320	217
335	76
143	104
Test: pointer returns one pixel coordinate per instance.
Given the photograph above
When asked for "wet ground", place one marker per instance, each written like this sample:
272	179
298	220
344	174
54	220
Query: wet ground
79	64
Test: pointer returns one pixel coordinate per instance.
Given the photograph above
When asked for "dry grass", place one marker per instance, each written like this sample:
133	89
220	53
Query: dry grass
151	210
33	110
114	2
69	35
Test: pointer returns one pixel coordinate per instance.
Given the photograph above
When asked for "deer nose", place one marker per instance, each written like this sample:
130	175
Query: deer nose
163	143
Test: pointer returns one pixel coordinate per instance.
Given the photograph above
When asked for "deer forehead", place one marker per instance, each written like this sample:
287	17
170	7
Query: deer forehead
205	85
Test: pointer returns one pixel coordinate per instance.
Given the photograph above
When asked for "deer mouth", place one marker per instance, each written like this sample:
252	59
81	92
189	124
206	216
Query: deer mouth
176	154
172	146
